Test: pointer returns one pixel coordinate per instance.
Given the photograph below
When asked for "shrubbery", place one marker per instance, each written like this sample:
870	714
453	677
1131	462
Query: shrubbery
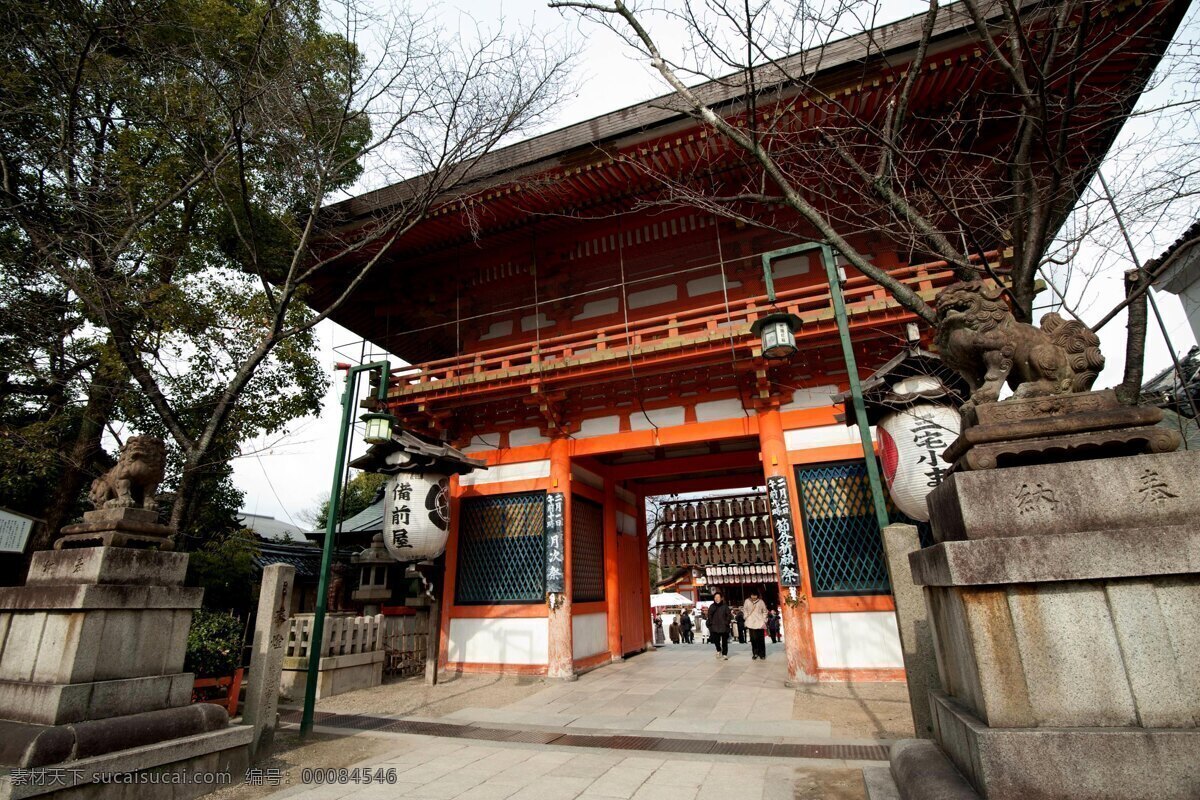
214	644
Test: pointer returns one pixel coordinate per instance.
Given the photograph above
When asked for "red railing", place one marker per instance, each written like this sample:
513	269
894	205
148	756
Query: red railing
810	303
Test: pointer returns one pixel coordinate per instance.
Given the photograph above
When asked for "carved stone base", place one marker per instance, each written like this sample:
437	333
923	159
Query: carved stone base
117	527
1048	430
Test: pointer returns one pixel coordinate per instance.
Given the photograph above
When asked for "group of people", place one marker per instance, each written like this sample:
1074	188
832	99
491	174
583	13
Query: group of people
752	619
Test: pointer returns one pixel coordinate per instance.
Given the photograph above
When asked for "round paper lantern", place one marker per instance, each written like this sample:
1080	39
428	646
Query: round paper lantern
911	441
416	515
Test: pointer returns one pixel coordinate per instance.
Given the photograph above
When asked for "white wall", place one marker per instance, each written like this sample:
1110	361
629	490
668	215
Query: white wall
499	641
822	436
523	471
589	635
857	640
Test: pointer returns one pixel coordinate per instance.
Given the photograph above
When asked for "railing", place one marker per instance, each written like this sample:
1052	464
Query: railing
344	635
811	303
403	639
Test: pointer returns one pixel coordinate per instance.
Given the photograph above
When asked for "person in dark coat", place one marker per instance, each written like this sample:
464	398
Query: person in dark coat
773	626
719	617
685	626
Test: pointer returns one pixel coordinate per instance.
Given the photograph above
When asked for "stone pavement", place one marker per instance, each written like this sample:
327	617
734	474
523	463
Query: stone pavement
680	692
678	688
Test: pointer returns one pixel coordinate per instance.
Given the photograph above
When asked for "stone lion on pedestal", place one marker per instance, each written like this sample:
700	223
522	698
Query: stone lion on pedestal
133	481
980	339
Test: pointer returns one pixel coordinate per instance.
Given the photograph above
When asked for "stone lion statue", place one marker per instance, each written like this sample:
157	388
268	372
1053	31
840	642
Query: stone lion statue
979	338
133	481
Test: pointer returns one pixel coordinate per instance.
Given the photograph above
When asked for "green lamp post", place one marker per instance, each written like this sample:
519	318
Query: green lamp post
379	430
780	343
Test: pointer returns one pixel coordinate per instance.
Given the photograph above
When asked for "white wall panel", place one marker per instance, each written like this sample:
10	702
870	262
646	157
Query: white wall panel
822	436
498	641
525	436
498	329
589	635
599	426
626	523
719	409
812	397
652	297
857	640
663	418
587	477
599	308
523	471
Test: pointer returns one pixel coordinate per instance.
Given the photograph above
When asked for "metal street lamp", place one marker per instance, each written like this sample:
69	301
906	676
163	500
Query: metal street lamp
835	276
378	425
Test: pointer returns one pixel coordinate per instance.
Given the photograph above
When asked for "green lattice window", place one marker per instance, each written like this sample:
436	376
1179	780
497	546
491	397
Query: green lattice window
587	550
845	550
501	549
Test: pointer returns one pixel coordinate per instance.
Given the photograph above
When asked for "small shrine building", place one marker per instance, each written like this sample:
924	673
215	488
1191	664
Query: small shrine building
592	343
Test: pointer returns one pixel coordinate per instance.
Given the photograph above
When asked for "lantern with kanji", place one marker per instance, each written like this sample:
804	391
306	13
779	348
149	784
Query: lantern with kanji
416	515
911	441
416	500
913	402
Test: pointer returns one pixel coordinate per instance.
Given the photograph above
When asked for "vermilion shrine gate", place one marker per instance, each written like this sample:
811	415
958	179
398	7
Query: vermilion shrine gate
585	340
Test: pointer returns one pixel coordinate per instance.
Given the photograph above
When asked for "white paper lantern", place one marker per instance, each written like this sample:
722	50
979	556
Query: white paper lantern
416	515
911	441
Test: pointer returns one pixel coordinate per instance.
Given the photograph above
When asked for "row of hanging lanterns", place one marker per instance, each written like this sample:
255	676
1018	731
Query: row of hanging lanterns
716	531
744	551
715	508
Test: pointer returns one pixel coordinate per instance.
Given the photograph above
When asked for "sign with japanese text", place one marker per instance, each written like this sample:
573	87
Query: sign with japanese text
14	532
785	533
556	547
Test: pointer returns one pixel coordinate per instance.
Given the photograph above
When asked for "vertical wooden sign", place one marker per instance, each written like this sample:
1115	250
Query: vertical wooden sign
555	544
785	536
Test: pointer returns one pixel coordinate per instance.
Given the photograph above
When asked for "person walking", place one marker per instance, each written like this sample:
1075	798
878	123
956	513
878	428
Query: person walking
719	617
773	626
739	626
685	626
754	612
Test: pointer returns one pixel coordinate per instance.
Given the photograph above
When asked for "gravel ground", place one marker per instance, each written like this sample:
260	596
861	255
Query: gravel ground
857	710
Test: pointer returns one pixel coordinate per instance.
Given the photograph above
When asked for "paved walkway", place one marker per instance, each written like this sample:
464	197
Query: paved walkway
698	728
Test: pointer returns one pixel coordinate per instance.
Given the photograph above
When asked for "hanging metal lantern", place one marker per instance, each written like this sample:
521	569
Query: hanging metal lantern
778	334
416	515
379	427
911	442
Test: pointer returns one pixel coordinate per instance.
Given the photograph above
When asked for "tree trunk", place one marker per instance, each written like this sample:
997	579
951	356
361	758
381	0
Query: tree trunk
1135	341
79	463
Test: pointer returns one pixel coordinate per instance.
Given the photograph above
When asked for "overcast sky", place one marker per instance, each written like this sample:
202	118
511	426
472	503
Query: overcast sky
290	474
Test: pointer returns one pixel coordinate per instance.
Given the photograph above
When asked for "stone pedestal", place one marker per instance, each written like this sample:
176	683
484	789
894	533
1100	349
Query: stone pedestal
1064	602
91	671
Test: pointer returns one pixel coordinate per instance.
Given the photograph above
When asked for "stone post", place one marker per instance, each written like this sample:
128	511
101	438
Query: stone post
432	639
266	663
920	662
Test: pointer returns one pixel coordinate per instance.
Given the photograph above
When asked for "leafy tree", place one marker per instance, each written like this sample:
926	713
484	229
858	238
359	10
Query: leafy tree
168	165
358	494
224	568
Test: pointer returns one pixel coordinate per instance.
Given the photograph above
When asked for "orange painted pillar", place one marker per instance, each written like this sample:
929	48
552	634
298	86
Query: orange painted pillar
447	601
644	587
560	655
797	622
612	571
